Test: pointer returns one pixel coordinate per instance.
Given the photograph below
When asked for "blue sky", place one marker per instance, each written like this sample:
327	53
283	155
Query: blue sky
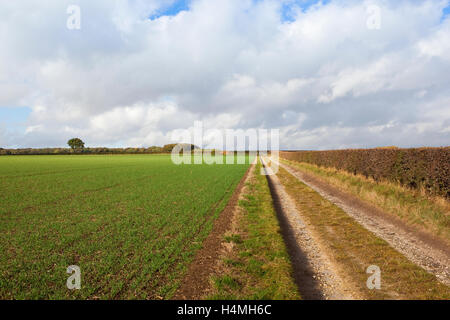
174	9
446	12
13	119
14	114
287	13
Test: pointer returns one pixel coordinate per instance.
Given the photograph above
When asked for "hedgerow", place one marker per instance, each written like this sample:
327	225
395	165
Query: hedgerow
427	168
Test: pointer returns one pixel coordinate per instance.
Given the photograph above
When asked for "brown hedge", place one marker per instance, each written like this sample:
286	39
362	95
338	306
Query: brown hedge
421	167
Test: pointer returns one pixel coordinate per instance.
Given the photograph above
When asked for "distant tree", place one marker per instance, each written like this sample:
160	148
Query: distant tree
184	146
169	147
154	149
76	144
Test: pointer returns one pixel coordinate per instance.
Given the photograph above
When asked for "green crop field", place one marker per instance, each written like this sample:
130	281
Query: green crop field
132	223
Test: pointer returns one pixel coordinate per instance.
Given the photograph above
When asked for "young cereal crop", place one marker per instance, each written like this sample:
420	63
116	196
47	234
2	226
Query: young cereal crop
131	223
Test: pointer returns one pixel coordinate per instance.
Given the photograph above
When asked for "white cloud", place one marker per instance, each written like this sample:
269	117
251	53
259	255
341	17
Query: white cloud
324	79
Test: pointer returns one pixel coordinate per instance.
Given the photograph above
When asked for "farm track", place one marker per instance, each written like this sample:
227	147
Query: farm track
314	273
423	249
196	280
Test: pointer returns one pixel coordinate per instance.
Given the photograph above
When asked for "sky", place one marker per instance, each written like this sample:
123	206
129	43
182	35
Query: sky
327	74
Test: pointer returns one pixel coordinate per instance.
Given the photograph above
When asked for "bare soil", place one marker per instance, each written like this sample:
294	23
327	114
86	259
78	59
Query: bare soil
196	280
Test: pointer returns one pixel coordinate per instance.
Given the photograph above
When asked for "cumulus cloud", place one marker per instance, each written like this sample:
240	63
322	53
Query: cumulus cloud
322	77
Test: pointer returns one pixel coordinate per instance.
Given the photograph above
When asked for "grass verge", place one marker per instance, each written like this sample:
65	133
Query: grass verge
430	213
353	249
254	263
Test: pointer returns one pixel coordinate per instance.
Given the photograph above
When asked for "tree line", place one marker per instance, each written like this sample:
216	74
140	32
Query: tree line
77	146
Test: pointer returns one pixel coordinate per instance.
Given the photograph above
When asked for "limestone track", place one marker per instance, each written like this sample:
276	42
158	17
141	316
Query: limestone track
313	271
422	249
